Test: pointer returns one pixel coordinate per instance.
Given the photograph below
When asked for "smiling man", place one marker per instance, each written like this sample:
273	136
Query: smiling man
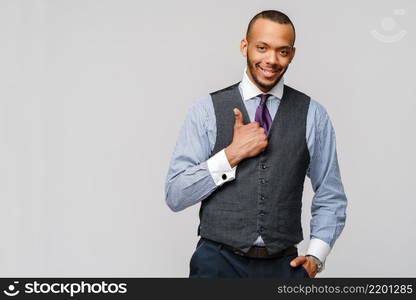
268	53
243	153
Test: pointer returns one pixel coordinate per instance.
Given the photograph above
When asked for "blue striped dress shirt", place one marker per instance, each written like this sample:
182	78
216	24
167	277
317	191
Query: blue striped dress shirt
193	175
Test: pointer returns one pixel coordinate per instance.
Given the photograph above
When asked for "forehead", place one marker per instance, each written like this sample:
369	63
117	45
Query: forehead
272	33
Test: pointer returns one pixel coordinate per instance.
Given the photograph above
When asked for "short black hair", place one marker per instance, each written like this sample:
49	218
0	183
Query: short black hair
272	15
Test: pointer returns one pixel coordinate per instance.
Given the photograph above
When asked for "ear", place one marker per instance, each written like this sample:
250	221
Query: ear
243	47
292	54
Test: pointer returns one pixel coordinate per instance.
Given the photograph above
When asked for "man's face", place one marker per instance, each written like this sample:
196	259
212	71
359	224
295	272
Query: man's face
269	51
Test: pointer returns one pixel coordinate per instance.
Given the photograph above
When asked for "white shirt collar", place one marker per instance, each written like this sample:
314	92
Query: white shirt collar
249	90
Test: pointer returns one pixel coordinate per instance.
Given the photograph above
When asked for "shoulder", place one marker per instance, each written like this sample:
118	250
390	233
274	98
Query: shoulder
202	110
295	91
318	116
317	109
202	105
225	90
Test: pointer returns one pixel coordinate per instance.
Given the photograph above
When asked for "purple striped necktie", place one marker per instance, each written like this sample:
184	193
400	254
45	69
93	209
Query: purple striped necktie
263	115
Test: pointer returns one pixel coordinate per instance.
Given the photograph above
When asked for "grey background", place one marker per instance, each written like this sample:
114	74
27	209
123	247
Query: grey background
92	97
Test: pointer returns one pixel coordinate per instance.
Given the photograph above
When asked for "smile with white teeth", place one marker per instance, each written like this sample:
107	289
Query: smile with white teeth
268	73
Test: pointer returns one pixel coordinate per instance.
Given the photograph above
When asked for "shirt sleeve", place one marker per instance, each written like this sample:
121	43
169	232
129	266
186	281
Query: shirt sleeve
329	203
220	169
192	175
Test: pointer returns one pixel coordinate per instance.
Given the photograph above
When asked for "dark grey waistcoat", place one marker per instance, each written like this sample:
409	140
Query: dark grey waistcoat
266	196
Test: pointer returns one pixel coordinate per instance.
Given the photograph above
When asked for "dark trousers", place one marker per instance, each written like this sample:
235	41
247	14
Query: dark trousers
212	260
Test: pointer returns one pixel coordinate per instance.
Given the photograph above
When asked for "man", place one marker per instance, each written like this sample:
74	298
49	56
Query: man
243	153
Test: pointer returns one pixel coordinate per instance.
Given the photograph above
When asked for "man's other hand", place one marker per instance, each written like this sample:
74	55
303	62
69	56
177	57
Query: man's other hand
306	262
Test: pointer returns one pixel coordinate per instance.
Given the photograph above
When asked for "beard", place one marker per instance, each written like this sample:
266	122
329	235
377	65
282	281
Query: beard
259	83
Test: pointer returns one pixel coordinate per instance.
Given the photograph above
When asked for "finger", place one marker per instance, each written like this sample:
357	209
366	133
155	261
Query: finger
238	117
300	260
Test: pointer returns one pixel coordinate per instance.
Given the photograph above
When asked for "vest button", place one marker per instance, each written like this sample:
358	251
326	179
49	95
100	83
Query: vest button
262	213
263	166
262	197
262	181
261	229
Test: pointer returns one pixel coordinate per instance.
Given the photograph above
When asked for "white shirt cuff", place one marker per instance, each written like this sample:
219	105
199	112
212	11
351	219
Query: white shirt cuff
220	168
319	249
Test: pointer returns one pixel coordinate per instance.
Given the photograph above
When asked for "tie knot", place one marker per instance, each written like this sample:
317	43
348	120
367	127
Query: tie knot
263	98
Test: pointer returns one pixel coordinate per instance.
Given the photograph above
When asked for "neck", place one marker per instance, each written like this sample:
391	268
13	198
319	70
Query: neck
261	88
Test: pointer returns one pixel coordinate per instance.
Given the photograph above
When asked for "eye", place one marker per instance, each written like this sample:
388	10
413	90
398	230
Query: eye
261	48
284	52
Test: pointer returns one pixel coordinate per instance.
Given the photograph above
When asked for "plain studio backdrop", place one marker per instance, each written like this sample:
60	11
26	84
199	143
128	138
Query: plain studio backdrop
93	95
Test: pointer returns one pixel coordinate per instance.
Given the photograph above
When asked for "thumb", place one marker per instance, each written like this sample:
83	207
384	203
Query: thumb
238	117
300	260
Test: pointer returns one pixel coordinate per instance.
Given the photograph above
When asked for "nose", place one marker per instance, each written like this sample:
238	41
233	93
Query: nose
272	58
